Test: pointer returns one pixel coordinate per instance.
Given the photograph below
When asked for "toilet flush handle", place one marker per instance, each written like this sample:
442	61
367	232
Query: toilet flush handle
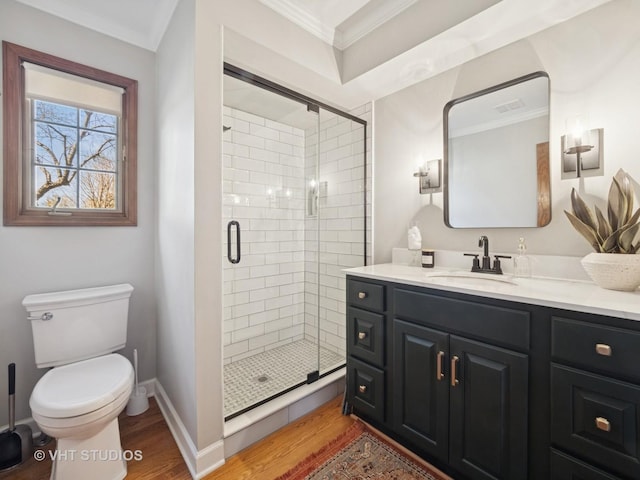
45	316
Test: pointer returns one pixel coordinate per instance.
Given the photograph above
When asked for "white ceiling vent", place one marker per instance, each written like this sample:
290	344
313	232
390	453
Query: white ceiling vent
510	105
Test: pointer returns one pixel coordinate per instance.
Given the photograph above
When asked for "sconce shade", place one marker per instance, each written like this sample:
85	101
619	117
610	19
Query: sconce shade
581	149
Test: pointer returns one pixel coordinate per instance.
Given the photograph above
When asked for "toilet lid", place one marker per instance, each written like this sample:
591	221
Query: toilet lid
81	387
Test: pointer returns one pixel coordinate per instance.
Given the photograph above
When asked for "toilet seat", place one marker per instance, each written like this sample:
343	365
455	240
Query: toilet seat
89	389
84	422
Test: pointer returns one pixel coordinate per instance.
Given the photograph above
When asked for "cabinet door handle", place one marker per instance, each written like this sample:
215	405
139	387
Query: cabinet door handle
362	295
362	388
439	374
603	424
603	349
362	335
454	364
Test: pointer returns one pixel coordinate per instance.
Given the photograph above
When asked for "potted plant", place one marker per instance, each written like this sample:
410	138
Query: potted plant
614	264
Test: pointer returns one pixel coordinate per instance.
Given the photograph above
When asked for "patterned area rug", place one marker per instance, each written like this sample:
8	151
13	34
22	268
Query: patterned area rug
360	453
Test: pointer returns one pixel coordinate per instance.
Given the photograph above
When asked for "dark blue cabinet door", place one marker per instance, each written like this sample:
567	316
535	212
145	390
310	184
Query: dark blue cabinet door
421	389
489	411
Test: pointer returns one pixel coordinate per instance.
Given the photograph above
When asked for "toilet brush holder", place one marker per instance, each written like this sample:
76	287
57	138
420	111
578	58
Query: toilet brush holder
138	402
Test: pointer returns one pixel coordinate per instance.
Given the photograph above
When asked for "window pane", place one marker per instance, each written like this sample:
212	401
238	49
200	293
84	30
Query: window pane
97	190
66	127
103	122
55	182
55	144
98	150
56	113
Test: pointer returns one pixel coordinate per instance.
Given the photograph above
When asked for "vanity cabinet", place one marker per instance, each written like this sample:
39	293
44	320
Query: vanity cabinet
458	394
595	398
365	339
447	376
464	402
487	388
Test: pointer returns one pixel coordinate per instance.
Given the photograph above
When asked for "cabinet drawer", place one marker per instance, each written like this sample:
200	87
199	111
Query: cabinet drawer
610	350
506	326
365	388
564	467
365	336
597	418
366	295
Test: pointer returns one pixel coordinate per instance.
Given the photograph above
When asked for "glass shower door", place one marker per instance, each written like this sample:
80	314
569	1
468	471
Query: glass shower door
293	219
341	228
266	351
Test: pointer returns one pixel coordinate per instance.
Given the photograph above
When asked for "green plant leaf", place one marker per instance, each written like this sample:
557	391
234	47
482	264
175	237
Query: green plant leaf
582	211
604	229
627	237
626	186
585	230
610	244
621	203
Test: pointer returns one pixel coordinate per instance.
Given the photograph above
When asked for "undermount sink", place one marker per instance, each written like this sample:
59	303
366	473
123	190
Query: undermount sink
469	278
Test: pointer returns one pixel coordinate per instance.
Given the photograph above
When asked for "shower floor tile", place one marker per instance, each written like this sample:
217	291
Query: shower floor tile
253	379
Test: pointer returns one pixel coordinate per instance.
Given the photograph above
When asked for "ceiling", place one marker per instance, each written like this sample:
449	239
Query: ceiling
140	22
339	22
386	45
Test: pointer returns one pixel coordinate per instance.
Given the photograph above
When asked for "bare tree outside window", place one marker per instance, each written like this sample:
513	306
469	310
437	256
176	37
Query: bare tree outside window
69	142
75	156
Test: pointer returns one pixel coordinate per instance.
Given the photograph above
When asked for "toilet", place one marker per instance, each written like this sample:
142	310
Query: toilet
78	400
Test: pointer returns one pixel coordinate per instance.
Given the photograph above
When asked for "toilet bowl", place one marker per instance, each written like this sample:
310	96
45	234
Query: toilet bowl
79	400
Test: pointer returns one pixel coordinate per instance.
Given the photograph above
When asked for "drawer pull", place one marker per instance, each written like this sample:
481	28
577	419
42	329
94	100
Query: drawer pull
603	349
362	388
362	335
603	424
362	295
439	374
454	363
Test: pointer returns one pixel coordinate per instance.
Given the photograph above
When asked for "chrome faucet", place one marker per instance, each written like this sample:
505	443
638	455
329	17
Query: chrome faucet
486	259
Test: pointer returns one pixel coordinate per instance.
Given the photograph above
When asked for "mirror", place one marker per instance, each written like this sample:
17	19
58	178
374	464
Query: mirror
496	156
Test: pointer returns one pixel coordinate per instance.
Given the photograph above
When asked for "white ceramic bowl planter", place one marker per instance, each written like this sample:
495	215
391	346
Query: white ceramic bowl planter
613	271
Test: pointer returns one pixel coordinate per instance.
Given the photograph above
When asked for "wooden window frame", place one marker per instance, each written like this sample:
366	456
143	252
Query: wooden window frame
16	213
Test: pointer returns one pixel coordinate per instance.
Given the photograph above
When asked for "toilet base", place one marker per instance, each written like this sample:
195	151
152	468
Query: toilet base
99	457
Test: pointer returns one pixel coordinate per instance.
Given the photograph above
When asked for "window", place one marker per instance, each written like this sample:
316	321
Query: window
69	142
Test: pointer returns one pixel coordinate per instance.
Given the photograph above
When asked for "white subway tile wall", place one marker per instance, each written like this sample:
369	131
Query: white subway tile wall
263	190
289	273
334	238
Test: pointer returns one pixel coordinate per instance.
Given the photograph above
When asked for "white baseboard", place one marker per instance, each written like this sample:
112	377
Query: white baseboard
199	462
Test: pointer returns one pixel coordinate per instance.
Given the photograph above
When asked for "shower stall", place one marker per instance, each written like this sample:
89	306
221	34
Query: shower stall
295	215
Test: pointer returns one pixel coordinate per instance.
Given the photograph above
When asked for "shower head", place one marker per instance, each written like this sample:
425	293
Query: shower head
225	128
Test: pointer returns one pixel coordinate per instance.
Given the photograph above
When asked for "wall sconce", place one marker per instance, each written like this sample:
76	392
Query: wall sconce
429	178
582	149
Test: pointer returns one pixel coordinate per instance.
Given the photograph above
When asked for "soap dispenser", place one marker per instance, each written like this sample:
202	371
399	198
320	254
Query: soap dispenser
522	262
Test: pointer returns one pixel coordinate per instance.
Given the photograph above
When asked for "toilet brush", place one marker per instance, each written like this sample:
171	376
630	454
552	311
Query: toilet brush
138	402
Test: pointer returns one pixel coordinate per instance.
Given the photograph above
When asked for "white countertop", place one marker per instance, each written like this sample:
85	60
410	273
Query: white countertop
574	295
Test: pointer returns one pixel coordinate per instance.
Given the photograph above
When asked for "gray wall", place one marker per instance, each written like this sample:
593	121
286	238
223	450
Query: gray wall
175	240
593	62
43	259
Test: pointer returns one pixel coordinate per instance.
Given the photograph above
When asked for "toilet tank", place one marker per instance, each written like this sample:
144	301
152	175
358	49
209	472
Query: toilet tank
75	325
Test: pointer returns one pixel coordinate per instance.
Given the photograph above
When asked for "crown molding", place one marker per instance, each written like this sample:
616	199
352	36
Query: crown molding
302	18
362	27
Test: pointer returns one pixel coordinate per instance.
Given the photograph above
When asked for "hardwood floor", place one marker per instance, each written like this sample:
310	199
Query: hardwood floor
161	458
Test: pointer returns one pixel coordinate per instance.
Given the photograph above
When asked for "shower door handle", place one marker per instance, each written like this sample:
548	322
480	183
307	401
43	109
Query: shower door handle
230	225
